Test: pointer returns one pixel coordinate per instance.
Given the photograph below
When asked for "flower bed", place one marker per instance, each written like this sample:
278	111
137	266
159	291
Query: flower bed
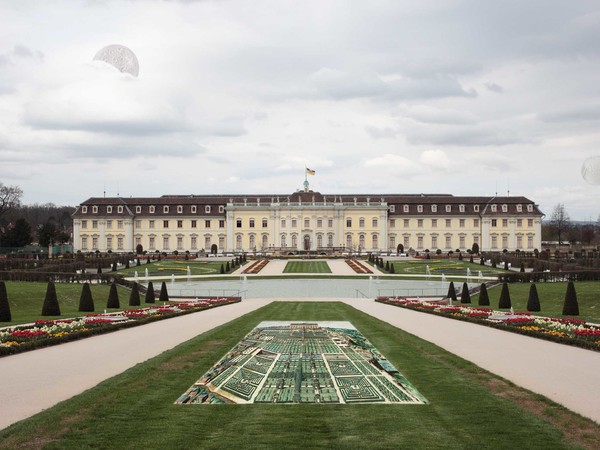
565	331
51	332
357	266
256	266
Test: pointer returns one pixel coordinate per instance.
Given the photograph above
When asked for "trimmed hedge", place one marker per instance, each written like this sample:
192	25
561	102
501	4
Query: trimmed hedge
533	301
113	297
51	306
570	307
504	302
164	295
484	298
451	291
150	296
465	297
86	301
5	315
134	296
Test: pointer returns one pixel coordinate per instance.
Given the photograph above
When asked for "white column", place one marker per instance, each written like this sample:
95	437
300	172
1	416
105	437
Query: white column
76	235
230	238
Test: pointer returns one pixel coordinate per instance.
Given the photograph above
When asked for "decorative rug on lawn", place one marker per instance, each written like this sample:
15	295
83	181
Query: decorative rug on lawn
303	362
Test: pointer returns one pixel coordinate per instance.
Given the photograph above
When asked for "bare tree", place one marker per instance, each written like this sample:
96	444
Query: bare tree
560	220
10	197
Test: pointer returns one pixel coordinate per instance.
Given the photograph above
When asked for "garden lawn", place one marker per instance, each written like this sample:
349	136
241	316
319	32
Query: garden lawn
444	266
552	298
307	267
469	407
167	268
26	300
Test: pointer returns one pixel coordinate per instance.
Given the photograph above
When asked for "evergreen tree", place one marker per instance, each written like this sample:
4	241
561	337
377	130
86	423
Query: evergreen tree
164	295
523	270
387	266
134	296
465	297
150	297
471	259
113	297
484	298
505	265
5	315
533	302
51	307
227	268
222	269
86	301
570	307
127	264
505	302
451	291
392	270
481	261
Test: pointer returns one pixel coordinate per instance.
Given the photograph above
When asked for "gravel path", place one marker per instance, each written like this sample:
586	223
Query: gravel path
36	380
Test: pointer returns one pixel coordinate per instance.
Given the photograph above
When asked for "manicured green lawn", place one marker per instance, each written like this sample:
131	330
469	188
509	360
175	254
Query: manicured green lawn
307	267
26	300
443	266
469	407
175	267
552	297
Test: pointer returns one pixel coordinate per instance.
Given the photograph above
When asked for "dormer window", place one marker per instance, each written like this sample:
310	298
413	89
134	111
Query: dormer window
392	208
109	210
530	208
84	210
151	209
94	209
494	208
194	209
221	209
448	208
179	209
433	208
519	208
476	208
461	208
504	208
119	209
207	209
138	209
419	208
165	209
405	208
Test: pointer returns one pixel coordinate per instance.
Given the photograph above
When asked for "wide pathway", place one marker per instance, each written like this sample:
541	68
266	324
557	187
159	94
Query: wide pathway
567	375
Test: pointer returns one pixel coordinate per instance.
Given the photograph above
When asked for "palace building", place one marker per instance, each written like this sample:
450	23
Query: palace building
307	221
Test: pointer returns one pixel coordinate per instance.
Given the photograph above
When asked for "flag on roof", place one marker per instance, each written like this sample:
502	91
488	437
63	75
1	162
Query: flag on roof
310	171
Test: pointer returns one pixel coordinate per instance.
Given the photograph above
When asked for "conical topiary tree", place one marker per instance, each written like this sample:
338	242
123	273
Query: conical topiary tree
504	297
134	296
465	297
570	307
392	270
522	270
5	315
86	301
387	266
451	291
150	297
164	295
533	302
113	297
222	269
51	307
484	298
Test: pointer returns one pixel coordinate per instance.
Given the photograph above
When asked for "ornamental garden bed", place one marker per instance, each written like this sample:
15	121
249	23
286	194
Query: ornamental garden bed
45	333
568	331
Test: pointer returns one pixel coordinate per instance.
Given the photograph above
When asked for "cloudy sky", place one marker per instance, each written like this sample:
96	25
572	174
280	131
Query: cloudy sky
461	97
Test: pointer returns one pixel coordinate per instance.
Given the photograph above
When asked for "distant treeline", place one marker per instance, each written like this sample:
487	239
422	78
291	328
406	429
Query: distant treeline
37	215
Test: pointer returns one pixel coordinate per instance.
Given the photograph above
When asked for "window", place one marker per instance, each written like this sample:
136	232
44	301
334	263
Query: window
265	223
84	210
319	223
320	240
221	240
84	224
84	243
392	224
406	242
207	242
151	209
151	243
476	208
461	208
94	224
392	242
374	222
529	241
494	241
406	223
504	208
194	243
194	224
306	223
221	224
349	241
530	223
179	209
221	209
194	209
138	209
461	223
94	209
180	224
238	241
420	242
283	223
251	223
109	242
461	241
120	224
349	223
519	241
433	208
361	222
165	209
165	242
519	209
138	224
94	243
405	208
504	223
179	243
375	241
283	240
238	224
494	208
448	241
476	239
330	223
330	240
433	223
251	242
207	209
504	241
294	241
165	224
294	223
108	209
433	241
519	223
207	224
420	208
392	208
494	222
361	241
119	243
109	224
119	209
265	241
448	223
151	224
420	223
475	222
448	208
529	208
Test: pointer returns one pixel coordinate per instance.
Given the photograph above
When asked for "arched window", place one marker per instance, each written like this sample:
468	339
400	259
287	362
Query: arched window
251	243
238	242
375	241
265	241
349	241
361	241
319	240
294	241
283	240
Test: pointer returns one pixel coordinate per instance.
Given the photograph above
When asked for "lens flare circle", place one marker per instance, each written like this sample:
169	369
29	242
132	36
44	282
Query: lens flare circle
590	170
120	57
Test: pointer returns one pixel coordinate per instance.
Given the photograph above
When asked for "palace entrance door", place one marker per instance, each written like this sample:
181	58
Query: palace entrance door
307	242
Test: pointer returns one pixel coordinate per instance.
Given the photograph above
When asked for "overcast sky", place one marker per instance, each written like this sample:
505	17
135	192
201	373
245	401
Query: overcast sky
460	97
